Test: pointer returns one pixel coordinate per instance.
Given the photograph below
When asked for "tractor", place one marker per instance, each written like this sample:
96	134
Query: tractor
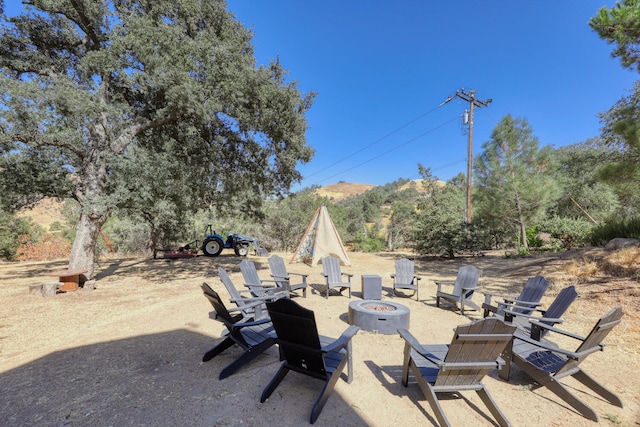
213	243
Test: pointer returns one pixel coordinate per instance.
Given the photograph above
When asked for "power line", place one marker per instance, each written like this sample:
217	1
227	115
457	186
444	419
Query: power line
390	150
377	140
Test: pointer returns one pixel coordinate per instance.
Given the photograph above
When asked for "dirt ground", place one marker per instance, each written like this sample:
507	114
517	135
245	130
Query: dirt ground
129	352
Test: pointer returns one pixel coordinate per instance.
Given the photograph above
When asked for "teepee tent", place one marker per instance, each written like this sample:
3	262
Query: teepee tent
320	239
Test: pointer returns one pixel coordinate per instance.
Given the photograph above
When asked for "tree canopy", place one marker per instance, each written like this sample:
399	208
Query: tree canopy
514	176
87	84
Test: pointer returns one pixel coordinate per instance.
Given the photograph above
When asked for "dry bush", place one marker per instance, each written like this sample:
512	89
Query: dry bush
49	247
622	263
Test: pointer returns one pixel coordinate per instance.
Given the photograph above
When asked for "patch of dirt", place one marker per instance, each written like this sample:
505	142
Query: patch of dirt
129	352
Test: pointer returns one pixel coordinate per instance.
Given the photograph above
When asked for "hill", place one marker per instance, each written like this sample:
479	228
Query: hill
44	213
343	190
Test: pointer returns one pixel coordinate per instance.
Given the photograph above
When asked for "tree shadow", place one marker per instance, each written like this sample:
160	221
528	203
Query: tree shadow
156	379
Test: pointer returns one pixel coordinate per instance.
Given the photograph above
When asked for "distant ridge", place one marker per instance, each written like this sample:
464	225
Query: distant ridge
343	190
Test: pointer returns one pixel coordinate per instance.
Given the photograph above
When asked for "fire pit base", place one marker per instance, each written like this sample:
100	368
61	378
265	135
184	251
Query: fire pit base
379	316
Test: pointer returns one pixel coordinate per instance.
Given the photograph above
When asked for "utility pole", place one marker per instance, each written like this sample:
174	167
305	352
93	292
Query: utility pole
473	102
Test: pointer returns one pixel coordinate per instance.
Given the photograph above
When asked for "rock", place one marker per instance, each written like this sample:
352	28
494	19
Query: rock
621	243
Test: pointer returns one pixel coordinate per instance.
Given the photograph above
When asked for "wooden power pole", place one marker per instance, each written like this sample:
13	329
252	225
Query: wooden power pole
473	102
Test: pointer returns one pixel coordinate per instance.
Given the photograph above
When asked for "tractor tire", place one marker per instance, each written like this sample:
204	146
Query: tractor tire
212	247
241	250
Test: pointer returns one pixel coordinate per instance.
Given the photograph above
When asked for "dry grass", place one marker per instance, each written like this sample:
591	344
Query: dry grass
624	263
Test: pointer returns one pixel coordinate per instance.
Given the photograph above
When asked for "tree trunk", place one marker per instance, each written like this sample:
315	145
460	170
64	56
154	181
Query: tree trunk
521	224
83	251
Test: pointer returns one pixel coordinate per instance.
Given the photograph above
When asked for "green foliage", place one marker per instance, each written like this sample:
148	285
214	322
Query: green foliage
620	25
584	194
513	180
369	240
571	232
621	132
11	229
399	229
287	219
99	97
629	228
440	223
533	239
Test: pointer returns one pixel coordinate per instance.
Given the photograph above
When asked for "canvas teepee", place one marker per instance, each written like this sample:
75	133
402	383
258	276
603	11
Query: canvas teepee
320	239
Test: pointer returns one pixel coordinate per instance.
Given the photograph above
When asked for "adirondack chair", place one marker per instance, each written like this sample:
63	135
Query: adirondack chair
308	353
404	277
333	276
529	298
473	352
550	316
529	324
254	337
258	286
283	278
547	363
246	300
463	288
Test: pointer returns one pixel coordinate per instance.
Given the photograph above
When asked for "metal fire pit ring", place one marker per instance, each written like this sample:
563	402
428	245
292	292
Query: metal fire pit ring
378	316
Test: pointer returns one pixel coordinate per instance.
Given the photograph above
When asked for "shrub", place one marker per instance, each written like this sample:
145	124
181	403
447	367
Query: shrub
47	248
571	232
601	234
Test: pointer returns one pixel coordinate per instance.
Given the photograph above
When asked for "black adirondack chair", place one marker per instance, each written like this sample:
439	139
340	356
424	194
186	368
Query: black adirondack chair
306	352
547	363
404	277
529	298
460	366
253	336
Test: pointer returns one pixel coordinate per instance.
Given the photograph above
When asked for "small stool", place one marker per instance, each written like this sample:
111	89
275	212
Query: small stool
371	286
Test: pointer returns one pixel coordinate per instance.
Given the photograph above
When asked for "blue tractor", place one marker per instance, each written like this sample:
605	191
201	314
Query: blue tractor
214	243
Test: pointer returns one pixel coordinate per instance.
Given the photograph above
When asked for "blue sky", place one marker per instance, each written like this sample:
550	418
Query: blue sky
382	68
379	65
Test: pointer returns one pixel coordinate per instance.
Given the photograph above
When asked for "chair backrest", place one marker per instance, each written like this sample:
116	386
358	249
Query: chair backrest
218	305
404	271
561	303
249	272
467	277
278	270
298	337
228	284
533	290
331	269
603	326
474	350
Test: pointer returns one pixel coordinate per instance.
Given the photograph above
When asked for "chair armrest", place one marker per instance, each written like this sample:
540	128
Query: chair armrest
343	340
299	274
473	288
276	277
556	330
261	285
413	342
417	277
253	323
439	283
393	276
347	274
554	348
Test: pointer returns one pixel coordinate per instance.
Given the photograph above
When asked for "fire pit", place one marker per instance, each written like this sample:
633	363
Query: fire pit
379	316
